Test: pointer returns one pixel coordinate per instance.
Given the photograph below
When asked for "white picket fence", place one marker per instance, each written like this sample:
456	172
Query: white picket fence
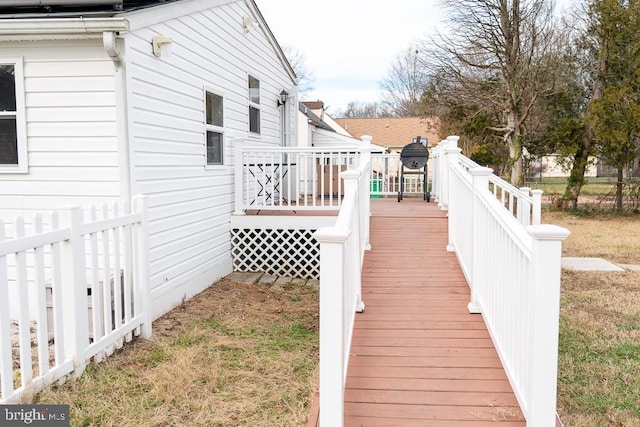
71	289
512	265
342	250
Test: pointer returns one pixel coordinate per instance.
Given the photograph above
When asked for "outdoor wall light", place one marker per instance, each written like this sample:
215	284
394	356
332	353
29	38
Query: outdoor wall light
284	95
161	45
248	23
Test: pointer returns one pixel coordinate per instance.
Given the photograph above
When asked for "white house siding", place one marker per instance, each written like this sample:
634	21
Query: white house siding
71	127
189	204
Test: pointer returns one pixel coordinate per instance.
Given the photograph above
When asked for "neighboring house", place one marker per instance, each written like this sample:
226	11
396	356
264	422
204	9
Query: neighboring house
551	167
317	108
392	132
102	100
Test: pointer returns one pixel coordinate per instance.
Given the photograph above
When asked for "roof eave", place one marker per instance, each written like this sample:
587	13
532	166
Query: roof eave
272	39
36	27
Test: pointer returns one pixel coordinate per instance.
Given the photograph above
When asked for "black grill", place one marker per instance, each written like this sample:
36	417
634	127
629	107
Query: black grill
415	157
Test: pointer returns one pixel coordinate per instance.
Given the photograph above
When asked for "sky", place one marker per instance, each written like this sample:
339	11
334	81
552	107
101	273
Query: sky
350	45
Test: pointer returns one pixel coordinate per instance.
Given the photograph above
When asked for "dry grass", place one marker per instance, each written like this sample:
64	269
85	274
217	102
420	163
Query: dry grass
599	359
615	238
235	355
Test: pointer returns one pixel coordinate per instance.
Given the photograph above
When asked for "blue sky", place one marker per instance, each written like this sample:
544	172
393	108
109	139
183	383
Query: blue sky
349	45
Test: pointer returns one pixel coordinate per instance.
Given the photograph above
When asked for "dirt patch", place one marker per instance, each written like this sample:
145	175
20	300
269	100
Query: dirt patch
235	355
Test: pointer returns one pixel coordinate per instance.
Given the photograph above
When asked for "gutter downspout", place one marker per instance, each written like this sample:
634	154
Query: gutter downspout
110	43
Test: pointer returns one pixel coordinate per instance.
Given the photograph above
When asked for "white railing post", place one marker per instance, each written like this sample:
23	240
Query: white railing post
451	143
237	181
537	206
450	204
544	294
355	257
141	267
74	288
444	174
478	260
332	317
365	191
435	177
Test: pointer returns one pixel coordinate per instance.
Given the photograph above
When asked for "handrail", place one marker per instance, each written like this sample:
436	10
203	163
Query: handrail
512	265
523	203
341	255
292	178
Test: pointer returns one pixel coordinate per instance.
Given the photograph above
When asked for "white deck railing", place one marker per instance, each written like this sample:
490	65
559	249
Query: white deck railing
80	284
512	265
281	178
385	178
342	250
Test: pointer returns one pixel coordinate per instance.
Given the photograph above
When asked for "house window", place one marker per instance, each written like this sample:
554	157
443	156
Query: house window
13	153
254	105
214	127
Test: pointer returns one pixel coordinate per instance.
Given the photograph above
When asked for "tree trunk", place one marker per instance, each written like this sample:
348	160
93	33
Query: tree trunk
514	142
619	186
576	178
517	171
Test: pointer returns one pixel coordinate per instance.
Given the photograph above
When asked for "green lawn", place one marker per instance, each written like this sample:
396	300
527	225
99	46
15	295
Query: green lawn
599	354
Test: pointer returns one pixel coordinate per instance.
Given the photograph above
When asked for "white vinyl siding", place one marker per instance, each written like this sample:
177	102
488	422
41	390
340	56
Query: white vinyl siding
70	132
190	203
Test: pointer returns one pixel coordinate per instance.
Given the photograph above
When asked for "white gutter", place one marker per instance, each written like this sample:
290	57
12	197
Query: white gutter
59	26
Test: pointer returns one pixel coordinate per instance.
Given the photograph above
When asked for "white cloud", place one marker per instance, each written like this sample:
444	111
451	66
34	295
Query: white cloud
349	45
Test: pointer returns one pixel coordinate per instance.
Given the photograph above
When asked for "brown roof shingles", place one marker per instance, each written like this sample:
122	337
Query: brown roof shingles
393	131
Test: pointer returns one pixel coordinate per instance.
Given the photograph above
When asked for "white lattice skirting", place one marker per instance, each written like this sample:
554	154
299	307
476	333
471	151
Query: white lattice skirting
293	253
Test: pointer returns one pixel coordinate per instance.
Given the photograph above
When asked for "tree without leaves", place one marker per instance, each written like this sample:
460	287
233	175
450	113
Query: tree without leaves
403	86
299	64
364	111
497	55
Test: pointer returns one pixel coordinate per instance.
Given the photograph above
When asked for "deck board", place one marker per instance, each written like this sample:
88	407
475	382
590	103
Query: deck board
418	357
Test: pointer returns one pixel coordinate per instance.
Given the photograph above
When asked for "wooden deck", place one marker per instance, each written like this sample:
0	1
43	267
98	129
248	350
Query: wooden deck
418	358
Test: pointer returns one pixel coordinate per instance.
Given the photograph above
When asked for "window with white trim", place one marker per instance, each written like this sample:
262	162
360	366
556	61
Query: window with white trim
214	124
13	150
254	105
